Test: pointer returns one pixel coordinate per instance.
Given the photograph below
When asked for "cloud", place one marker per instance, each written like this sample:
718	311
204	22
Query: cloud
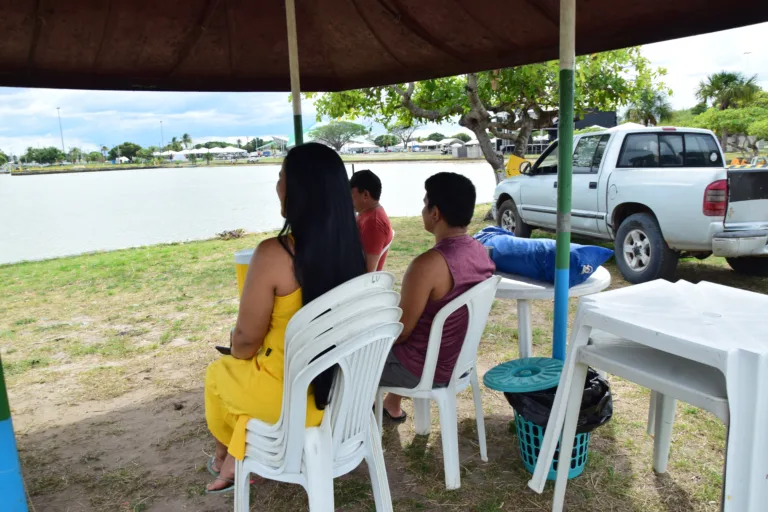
691	59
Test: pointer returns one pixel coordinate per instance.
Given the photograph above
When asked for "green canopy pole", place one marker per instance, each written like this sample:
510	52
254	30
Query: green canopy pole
12	495
564	174
293	61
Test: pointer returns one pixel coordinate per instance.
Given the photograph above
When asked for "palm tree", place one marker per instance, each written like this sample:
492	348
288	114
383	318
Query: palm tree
104	150
186	140
239	141
649	108
727	90
175	144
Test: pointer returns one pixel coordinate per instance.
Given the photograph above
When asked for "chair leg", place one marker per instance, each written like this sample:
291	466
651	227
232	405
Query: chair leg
242	487
449	431
524	330
652	414
479	416
318	458
380	411
665	418
422	420
569	432
374	457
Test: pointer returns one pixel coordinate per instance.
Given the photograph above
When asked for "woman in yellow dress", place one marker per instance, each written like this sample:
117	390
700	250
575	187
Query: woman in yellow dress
318	249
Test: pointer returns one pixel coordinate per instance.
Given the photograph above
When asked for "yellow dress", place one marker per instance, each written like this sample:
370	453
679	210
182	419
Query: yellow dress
237	389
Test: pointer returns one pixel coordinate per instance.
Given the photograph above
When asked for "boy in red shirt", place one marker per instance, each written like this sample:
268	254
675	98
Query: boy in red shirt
375	229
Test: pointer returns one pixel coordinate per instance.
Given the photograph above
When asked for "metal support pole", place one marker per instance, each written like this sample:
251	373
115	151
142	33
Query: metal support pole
11	483
293	62
61	131
564	174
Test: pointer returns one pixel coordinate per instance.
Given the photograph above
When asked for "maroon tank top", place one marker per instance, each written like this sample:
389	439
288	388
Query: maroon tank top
469	264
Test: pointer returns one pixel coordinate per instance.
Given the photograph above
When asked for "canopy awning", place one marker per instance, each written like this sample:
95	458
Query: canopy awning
207	45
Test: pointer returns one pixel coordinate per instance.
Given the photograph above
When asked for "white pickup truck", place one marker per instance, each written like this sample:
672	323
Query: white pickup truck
659	193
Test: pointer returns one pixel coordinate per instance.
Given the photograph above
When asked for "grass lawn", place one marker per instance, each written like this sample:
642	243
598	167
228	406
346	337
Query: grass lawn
105	356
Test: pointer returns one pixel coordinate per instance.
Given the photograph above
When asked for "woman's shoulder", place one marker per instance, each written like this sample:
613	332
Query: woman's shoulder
273	249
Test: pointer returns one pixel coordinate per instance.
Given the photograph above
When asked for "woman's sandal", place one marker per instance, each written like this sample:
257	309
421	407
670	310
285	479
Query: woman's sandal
229	488
209	466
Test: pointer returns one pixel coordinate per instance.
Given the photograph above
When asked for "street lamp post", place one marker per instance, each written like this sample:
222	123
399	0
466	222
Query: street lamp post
162	139
61	131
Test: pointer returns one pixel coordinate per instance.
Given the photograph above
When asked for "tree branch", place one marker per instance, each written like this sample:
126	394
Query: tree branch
416	111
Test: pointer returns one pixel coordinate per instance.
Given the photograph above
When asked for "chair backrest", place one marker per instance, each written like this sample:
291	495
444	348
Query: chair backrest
342	294
478	301
359	346
383	251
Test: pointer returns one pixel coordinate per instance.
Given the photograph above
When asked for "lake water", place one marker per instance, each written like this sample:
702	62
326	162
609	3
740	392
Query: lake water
59	215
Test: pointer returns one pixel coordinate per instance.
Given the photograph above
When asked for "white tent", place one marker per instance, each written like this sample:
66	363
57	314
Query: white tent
227	150
122	159
193	151
473	142
450	142
456	145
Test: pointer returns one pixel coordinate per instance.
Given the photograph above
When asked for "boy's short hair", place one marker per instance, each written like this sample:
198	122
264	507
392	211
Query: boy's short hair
366	180
454	195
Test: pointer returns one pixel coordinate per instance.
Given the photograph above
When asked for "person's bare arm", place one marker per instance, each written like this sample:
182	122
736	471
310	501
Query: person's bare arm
372	262
257	300
418	286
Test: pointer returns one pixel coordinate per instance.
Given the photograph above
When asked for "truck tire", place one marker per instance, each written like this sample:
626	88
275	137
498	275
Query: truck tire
509	219
642	254
749	265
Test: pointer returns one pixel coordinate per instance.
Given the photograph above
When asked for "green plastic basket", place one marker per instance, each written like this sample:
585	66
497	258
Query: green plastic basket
530	437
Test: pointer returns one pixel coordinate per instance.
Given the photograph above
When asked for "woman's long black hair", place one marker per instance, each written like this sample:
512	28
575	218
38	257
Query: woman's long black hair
326	242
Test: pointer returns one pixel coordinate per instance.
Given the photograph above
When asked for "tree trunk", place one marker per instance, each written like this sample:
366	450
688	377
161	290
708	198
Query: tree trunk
523	136
725	141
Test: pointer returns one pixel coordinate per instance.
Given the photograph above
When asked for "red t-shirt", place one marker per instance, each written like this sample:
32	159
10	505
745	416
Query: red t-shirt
375	232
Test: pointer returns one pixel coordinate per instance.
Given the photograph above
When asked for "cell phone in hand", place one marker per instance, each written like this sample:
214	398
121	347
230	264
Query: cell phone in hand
227	351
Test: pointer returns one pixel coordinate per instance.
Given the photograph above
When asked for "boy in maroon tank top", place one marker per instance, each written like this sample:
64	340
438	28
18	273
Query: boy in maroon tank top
455	264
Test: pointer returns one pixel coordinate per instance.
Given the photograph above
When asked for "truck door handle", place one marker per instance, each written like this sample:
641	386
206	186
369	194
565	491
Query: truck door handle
592	185
554	185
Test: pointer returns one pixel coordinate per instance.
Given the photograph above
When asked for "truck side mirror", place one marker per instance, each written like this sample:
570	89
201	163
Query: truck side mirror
526	168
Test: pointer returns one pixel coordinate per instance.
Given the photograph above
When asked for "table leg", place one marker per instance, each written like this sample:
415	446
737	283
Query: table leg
664	419
524	329
652	414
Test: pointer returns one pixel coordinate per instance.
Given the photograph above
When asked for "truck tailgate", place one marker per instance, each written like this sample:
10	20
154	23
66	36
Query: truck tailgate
747	199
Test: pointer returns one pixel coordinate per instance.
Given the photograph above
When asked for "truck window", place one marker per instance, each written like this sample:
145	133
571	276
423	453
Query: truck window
584	153
599	152
671	150
701	151
640	150
547	162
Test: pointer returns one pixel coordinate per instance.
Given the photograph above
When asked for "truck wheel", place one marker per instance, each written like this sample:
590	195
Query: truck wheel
641	252
749	265
509	219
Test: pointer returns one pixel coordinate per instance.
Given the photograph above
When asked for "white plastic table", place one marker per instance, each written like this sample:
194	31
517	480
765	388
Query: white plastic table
525	290
708	324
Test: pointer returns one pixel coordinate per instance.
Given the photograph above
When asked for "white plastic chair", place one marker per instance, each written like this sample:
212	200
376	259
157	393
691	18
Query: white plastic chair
314	456
355	297
478	301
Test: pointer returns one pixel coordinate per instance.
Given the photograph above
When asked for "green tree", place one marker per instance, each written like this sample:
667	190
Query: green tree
508	103
463	137
239	142
254	144
742	122
385	141
74	155
126	149
649	107
437	136
3	158
759	129
186	140
338	133
94	156
47	155
725	90
684	117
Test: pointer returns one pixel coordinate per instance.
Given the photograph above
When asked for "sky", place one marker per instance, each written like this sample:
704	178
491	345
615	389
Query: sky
91	119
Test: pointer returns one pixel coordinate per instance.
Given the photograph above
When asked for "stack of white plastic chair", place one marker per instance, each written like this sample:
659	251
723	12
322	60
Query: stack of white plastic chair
478	301
353	326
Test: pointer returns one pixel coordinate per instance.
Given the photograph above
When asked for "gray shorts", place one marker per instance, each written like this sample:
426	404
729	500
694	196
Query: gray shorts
396	375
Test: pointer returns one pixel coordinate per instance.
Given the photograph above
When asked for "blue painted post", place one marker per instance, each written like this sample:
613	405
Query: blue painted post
12	498
564	174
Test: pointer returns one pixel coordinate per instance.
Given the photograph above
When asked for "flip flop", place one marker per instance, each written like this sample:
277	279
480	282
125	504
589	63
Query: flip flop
396	419
209	466
229	488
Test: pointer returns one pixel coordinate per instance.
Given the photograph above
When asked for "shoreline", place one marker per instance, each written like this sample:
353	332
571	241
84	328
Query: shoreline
43	172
